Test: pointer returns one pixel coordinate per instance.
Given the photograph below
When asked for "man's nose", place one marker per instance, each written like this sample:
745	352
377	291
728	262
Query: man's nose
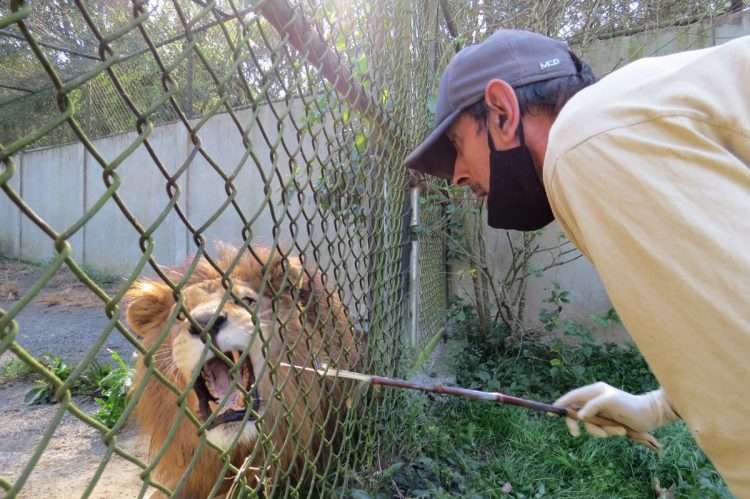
460	175
202	319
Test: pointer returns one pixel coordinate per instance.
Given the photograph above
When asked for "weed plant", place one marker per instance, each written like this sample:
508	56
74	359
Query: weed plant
15	370
108	384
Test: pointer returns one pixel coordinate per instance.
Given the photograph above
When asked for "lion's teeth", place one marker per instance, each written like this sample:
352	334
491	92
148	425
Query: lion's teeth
212	405
245	373
235	356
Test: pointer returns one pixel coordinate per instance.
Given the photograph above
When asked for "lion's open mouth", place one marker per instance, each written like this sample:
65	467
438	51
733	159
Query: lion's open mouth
215	384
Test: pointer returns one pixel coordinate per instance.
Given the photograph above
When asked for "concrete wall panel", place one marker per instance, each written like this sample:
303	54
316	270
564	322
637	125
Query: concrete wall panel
222	141
111	240
730	27
10	215
53	185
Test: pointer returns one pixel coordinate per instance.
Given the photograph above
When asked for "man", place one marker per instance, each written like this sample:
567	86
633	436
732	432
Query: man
648	173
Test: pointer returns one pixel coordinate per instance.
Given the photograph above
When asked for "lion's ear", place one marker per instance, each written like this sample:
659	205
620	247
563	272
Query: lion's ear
288	276
149	303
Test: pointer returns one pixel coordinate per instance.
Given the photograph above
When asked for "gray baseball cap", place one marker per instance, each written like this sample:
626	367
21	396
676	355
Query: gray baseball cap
518	57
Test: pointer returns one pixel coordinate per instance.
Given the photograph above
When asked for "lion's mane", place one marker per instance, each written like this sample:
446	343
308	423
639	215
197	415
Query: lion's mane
301	422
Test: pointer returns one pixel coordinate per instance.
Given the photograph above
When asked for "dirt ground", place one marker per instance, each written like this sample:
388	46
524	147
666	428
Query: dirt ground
72	456
64	320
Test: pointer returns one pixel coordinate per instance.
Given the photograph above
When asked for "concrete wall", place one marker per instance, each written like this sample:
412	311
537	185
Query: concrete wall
110	241
61	168
588	295
10	216
64	182
607	55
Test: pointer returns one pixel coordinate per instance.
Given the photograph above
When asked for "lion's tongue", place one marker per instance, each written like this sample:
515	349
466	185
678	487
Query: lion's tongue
219	385
218	377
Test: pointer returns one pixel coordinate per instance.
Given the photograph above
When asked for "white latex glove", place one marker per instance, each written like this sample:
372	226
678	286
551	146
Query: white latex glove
642	413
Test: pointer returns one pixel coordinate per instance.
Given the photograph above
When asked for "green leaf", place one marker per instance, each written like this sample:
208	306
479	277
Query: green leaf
426	463
432	105
360	142
359	494
37	395
340	42
362	65
392	469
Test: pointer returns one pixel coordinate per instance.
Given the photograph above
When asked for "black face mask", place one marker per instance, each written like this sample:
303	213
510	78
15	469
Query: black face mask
516	199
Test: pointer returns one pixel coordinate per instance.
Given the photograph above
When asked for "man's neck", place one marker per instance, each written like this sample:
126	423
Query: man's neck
536	127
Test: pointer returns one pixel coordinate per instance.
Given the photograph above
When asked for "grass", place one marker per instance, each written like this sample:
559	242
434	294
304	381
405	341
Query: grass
15	370
461	448
469	449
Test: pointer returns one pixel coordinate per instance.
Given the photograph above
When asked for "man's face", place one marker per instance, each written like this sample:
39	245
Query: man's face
472	167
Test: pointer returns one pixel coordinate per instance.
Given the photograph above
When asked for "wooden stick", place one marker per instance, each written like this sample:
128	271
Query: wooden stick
645	439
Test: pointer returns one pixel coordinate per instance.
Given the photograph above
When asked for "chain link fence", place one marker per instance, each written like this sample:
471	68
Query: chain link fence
314	98
262	124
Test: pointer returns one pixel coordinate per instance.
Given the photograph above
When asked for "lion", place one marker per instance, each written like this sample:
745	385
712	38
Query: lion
270	417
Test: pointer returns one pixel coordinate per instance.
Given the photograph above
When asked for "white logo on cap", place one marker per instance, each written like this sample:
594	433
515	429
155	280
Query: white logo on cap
550	63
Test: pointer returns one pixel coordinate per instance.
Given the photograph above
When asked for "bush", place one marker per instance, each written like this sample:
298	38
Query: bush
545	368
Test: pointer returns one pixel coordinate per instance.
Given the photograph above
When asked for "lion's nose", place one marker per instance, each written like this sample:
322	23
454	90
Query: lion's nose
203	319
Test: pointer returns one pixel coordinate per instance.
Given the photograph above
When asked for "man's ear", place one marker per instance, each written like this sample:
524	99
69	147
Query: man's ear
504	114
149	304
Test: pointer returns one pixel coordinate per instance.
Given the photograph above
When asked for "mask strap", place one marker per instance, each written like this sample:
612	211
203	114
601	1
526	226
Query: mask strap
576	61
520	136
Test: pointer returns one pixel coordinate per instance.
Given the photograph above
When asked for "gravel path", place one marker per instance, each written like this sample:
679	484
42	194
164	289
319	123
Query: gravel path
65	319
68	332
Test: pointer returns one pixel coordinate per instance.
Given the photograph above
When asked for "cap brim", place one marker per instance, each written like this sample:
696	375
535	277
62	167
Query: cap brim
435	155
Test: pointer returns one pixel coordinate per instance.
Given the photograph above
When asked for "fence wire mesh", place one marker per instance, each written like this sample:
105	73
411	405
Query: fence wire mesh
290	92
135	135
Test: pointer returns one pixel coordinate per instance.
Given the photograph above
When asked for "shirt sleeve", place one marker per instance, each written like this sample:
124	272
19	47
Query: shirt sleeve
662	210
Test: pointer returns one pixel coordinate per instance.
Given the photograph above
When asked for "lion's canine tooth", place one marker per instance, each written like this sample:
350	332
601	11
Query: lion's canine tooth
235	356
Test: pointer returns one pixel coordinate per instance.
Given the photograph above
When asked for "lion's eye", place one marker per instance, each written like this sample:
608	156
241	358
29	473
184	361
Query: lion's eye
248	300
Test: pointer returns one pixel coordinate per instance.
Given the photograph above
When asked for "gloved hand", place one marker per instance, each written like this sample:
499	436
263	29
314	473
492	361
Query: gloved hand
642	413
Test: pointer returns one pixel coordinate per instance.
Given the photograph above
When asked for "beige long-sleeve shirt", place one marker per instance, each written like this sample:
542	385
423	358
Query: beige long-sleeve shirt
648	173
